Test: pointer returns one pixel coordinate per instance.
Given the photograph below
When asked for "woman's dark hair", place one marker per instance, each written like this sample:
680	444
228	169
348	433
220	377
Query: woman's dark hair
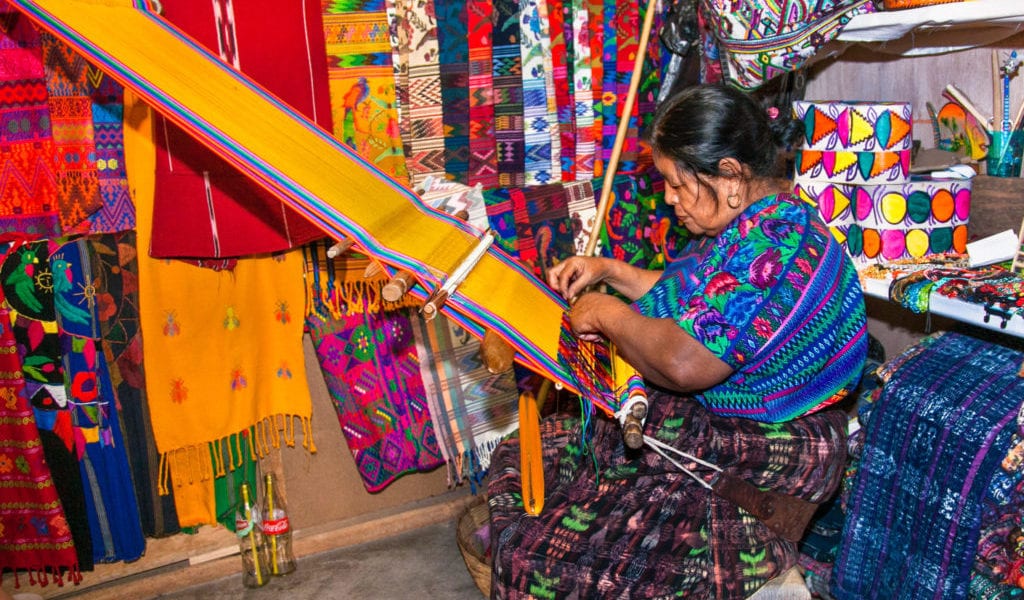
700	125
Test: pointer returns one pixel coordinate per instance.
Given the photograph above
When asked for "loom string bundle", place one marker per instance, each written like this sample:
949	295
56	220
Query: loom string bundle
608	382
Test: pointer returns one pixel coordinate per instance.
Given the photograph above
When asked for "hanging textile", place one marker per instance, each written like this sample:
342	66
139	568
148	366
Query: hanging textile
70	97
117	212
28	194
582	90
28	293
368	360
483	157
424	146
223	353
453	47
362	84
370	365
508	94
472	409
114	267
535	52
113	511
560	36
34	533
203	207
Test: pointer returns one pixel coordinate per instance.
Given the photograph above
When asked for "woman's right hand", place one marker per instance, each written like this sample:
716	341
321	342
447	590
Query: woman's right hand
576	273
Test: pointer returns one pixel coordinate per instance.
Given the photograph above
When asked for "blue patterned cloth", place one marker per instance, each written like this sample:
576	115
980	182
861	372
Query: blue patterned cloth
936	437
777	298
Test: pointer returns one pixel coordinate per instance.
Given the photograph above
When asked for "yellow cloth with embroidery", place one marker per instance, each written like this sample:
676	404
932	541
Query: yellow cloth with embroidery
222	349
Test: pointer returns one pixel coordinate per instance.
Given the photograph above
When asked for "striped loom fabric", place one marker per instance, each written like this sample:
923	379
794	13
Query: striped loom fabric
783	308
934	442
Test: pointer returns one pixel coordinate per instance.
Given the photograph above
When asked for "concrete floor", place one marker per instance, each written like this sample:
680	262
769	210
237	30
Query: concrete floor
423	563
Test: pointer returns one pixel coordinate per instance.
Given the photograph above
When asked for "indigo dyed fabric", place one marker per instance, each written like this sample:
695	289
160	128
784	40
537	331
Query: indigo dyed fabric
936	437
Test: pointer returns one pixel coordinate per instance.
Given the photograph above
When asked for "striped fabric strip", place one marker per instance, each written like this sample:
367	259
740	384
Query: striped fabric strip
398	34
452	32
627	35
67	81
483	155
310	170
560	30
508	95
582	90
425	143
549	91
118	211
609	79
537	121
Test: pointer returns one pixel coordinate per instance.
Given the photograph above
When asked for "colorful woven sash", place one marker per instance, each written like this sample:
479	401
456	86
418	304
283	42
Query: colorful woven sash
309	170
35	534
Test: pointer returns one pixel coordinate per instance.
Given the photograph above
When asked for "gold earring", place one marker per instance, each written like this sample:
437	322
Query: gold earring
733	200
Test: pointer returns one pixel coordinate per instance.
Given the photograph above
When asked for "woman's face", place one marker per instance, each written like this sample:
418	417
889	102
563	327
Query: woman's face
695	205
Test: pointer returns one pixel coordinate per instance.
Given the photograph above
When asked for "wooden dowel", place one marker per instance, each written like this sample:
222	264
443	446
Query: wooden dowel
997	91
397	286
620	133
433	304
340	248
372	270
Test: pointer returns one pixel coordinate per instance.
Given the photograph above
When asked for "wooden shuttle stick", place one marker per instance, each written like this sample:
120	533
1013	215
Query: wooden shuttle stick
437	299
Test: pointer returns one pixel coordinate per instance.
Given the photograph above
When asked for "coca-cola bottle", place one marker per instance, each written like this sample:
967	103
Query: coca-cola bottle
277	534
255	572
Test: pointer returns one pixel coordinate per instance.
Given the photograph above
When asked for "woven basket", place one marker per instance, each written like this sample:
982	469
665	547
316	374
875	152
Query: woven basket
475	517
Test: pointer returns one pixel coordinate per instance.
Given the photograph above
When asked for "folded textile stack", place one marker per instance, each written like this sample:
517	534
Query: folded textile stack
854	166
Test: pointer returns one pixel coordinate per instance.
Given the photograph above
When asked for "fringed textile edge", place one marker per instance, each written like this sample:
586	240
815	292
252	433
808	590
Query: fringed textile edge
196	464
43	575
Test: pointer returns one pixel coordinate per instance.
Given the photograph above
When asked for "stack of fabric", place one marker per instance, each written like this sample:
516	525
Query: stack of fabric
855	167
937	484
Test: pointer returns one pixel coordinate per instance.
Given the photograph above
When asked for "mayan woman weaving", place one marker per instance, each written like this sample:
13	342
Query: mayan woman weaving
745	344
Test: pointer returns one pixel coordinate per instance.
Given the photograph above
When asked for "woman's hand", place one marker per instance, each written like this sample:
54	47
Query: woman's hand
573	275
591	311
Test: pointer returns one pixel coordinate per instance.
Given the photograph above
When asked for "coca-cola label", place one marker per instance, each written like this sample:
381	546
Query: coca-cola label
241	523
275	527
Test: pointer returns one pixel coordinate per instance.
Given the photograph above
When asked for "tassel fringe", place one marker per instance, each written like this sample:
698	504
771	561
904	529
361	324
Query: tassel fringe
194	463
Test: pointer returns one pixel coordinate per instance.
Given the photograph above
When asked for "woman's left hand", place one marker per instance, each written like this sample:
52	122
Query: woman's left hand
589	312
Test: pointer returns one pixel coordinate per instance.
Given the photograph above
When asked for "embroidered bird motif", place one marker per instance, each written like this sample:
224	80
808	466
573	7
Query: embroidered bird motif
63	283
21	279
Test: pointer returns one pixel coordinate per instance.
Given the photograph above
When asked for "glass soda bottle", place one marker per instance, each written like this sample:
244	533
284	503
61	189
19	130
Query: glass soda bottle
255	571
277	533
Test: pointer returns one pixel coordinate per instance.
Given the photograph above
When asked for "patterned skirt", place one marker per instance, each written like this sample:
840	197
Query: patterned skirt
619	523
